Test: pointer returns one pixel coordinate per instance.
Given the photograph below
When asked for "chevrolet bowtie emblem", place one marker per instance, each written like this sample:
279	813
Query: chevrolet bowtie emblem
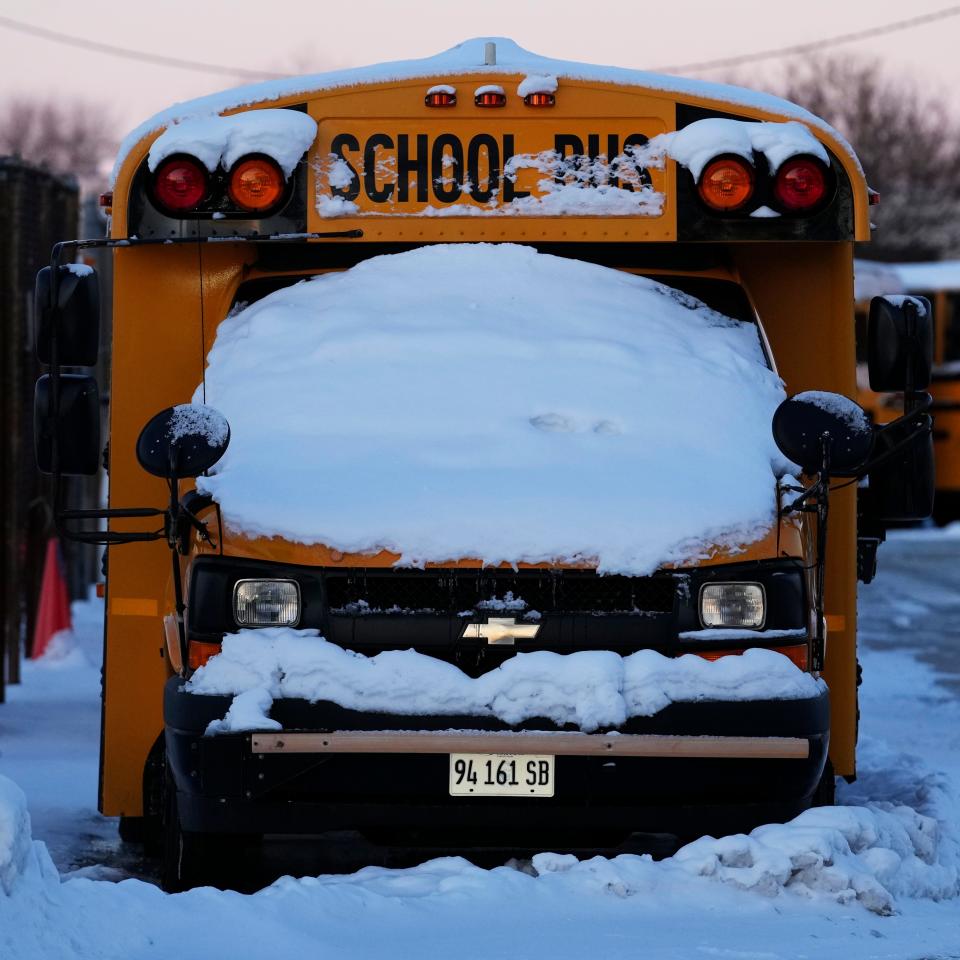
501	630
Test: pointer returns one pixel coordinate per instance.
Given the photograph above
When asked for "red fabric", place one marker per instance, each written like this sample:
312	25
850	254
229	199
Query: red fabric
53	609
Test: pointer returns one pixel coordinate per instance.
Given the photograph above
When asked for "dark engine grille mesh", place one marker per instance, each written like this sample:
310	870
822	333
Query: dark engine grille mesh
457	591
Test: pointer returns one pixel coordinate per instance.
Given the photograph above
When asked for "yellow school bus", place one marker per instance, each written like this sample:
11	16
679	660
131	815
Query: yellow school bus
742	202
939	283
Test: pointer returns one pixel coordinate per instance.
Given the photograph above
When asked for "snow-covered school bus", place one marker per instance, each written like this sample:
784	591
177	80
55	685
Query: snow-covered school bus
939	283
455	496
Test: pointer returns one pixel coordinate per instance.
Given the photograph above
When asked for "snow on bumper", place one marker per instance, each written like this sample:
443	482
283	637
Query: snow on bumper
706	764
590	690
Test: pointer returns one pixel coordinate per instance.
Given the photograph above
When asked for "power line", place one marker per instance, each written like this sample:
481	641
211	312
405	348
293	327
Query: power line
145	56
814	45
142	55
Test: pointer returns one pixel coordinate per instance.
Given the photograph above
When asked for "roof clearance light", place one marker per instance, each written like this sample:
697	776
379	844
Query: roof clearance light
542	99
441	96
726	184
180	184
800	184
490	96
256	184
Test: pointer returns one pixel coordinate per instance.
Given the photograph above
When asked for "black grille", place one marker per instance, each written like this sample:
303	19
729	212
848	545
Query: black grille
458	591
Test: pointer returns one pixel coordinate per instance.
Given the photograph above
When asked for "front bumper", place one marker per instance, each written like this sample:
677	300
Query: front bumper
717	766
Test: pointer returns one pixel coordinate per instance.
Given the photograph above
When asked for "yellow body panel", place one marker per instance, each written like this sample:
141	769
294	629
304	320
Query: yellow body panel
809	323
168	301
946	434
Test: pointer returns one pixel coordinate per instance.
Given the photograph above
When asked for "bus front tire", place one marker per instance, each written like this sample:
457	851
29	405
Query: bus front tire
203	859
181	858
826	793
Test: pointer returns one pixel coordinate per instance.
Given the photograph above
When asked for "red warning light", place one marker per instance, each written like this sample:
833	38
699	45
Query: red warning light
440	98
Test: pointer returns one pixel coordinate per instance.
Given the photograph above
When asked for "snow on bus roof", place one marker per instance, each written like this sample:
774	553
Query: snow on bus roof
927	277
468	58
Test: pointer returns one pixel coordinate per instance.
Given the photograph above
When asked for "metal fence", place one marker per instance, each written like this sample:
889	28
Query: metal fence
36	209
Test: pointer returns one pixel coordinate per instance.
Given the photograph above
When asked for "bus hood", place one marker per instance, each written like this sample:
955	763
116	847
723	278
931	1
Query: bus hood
491	402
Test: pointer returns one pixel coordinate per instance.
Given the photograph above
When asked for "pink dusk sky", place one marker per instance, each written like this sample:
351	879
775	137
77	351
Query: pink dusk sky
305	36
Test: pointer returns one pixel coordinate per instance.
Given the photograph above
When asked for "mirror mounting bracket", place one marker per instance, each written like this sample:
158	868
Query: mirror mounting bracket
816	499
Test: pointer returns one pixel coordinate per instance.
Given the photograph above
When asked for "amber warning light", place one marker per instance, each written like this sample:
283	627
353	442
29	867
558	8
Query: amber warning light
726	184
256	184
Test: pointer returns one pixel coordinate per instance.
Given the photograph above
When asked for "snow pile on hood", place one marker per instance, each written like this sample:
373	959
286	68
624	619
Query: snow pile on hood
468	57
591	689
488	401
21	859
283	135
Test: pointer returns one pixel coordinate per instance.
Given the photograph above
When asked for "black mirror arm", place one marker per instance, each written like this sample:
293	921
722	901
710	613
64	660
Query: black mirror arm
823	512
172	525
924	425
816	499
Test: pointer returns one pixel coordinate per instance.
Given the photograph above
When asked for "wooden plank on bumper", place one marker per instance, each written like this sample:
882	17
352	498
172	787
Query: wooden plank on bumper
556	744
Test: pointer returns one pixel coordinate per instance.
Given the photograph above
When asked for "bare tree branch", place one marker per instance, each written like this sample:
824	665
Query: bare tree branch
908	142
69	138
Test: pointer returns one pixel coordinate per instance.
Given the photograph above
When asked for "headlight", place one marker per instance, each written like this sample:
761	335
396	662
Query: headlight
732	605
266	603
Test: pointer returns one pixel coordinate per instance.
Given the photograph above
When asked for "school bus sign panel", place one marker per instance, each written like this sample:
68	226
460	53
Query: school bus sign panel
518	170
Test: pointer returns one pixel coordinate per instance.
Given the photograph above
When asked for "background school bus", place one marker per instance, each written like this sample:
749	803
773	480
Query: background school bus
939	282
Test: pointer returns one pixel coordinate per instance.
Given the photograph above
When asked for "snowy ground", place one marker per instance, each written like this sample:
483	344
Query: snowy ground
620	908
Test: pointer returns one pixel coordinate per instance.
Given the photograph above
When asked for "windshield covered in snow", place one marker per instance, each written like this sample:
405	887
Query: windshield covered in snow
492	402
724	296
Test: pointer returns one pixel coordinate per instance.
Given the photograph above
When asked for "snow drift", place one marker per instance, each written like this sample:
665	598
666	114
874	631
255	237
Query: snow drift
876	857
488	401
592	689
14	833
22	861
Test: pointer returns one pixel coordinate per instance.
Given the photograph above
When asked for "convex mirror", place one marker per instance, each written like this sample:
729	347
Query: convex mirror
183	441
899	343
76	315
76	429
800	422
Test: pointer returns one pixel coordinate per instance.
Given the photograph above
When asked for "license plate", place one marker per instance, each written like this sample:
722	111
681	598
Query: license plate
500	775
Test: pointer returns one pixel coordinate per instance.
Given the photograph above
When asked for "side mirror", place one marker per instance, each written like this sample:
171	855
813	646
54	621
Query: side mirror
77	429
899	343
76	315
183	441
801	421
